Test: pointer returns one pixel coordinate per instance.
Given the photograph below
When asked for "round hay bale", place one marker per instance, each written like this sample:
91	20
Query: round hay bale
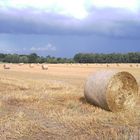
107	65
20	64
45	67
31	65
111	90
131	65
6	66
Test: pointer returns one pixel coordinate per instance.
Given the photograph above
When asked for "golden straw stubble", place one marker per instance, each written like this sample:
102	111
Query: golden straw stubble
112	90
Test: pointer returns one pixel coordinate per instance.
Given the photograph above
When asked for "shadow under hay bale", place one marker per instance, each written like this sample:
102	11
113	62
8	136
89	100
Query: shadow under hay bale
112	90
83	100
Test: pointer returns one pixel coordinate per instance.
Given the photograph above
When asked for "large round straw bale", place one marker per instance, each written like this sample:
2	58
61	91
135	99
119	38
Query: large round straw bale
112	90
45	67
6	66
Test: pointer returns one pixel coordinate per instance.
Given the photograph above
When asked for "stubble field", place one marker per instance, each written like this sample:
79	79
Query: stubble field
38	104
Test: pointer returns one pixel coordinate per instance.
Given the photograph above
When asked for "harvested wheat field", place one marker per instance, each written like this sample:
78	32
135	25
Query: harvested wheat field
38	104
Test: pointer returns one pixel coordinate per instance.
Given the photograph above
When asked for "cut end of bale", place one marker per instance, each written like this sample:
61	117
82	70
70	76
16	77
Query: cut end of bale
112	90
122	91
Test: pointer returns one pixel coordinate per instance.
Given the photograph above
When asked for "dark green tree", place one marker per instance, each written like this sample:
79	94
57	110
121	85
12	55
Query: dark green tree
33	58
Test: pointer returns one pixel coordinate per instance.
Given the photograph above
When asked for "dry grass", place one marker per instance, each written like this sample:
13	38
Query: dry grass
47	105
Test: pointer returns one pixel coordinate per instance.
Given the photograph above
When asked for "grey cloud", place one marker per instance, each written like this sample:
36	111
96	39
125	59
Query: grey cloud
108	22
28	22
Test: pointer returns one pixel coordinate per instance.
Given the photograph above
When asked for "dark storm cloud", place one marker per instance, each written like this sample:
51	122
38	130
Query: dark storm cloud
109	22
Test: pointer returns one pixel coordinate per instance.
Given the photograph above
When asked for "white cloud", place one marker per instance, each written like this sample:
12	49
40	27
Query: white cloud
5	47
49	47
132	5
74	8
8	50
9	47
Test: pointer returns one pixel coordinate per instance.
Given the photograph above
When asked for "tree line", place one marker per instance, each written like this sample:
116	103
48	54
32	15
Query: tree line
132	57
32	58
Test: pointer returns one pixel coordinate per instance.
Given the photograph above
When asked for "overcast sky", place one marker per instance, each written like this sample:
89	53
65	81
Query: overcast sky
65	27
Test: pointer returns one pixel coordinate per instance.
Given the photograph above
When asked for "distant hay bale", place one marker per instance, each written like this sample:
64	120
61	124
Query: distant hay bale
45	67
117	65
6	66
20	64
131	65
31	65
107	65
137	65
112	90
